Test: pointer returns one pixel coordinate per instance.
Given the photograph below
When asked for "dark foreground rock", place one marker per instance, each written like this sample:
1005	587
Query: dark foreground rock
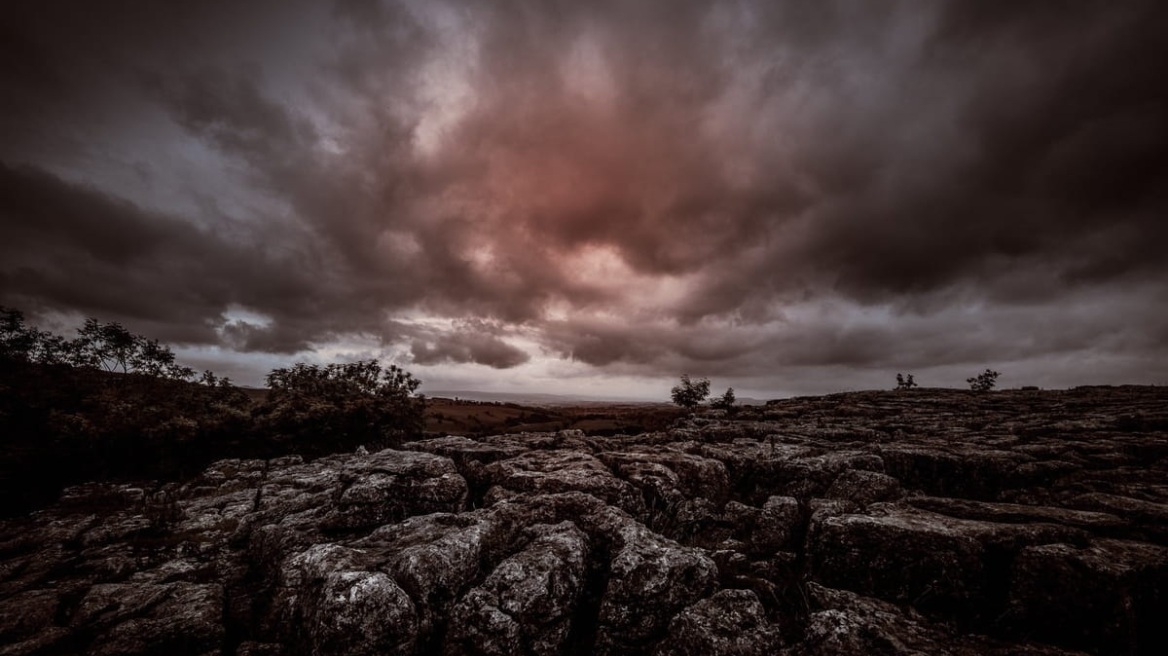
884	523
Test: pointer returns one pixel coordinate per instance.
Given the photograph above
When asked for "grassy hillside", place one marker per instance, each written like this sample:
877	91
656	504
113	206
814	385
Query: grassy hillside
61	425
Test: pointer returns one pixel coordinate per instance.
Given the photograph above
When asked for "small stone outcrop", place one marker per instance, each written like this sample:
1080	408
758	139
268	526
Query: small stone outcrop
936	522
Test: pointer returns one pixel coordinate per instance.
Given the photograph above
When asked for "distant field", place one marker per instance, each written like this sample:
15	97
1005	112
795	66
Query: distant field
468	417
460	417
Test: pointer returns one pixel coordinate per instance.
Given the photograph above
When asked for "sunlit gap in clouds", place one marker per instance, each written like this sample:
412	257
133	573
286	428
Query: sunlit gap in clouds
627	292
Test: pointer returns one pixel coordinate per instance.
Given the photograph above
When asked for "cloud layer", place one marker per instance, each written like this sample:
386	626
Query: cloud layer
749	190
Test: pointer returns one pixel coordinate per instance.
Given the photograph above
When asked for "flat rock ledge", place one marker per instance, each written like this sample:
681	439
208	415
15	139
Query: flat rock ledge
926	522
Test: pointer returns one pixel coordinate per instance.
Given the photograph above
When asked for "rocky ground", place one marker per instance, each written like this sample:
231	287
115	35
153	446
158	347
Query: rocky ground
925	522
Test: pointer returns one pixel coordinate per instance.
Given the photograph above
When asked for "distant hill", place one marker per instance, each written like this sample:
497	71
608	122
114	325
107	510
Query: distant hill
537	399
532	398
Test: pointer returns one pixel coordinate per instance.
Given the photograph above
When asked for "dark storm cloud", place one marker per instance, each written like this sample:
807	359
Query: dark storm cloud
642	187
472	342
1062	141
228	109
68	246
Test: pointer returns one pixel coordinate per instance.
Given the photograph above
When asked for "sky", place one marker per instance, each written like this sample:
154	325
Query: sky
593	198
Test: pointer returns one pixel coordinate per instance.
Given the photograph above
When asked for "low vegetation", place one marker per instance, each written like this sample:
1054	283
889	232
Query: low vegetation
689	393
483	418
983	382
726	401
323	409
109	404
100	346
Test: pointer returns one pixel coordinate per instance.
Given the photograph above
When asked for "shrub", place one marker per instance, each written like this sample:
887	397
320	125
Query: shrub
110	404
105	346
16	339
689	393
905	382
726	401
63	425
107	404
110	347
317	409
984	381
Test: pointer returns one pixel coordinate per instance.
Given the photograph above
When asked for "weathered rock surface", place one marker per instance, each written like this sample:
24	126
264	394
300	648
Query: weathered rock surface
892	523
526	605
730	622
